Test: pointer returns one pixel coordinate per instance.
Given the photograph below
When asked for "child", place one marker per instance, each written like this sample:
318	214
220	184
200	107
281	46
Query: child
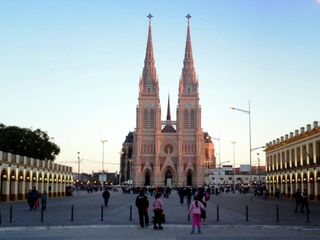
195	210
158	212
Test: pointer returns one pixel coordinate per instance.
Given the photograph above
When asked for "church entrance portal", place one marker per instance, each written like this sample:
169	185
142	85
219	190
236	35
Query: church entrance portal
168	179
189	179
147	179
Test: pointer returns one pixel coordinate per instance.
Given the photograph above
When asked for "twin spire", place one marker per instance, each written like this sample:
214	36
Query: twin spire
149	83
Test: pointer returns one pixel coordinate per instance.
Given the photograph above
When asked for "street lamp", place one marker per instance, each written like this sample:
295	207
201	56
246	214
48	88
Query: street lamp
78	172
250	150
234	167
218	139
103	141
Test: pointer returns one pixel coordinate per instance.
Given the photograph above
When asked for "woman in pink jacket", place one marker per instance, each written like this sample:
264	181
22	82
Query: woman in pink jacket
195	210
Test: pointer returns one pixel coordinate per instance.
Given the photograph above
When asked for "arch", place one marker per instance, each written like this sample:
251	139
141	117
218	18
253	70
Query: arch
147	178
20	185
3	185
12	185
189	178
186	118
168	178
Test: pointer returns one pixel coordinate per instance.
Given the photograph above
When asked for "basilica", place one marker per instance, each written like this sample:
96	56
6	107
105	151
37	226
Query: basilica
167	153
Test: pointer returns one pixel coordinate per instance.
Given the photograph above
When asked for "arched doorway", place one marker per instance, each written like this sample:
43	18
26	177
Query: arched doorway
12	186
21	193
147	179
189	178
168	178
312	186
3	186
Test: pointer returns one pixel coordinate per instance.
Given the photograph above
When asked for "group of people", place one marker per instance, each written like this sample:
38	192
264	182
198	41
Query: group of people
33	199
301	201
196	208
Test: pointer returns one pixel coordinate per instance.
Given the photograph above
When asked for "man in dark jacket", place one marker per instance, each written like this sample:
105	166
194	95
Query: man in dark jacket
142	204
106	196
298	198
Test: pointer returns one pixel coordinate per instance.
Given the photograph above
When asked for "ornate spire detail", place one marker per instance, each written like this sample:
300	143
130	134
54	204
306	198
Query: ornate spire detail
168	128
148	81
188	78
168	110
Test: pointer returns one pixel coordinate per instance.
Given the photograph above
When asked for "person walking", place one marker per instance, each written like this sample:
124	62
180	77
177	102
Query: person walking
44	200
142	204
201	197
304	201
195	210
106	196
158	212
298	199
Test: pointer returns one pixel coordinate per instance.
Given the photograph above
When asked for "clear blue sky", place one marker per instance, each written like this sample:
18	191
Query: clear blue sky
72	68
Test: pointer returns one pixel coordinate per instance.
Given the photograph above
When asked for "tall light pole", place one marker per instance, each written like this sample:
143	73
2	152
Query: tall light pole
103	141
250	150
218	139
234	167
78	172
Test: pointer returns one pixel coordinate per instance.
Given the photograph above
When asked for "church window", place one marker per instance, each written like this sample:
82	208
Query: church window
186	119
151	118
192	119
145	118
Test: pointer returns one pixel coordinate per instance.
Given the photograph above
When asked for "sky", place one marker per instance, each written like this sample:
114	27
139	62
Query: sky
72	69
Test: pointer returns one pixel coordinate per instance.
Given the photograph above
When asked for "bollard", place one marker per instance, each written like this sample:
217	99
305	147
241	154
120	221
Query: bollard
10	217
277	213
101	213
130	218
72	213
247	214
188	213
218	213
308	219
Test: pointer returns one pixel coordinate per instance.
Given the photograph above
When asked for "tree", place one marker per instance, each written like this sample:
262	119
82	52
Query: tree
27	142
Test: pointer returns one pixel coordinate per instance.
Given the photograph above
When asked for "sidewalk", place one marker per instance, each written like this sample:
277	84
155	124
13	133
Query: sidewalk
170	232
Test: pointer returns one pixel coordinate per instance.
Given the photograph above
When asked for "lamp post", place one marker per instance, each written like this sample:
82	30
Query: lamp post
250	150
103	141
78	173
234	167
218	139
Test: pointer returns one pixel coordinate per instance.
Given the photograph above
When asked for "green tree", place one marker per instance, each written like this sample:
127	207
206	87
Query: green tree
27	142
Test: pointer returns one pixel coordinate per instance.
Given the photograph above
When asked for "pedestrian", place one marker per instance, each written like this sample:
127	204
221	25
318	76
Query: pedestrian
201	197
35	198
142	204
304	201
195	209
106	196
158	212
44	200
30	200
298	198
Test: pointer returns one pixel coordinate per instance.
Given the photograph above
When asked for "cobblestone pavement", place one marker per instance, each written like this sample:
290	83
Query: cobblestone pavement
87	211
262	219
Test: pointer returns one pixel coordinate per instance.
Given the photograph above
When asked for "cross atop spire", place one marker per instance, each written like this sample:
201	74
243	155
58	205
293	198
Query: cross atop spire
188	16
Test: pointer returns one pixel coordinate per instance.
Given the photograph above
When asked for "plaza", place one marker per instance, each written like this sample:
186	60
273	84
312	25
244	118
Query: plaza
87	218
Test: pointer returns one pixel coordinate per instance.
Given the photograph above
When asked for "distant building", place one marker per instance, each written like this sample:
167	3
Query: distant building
293	161
19	174
225	176
167	153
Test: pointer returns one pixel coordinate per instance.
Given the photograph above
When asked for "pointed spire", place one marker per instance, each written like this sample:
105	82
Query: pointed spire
188	65
149	75
188	82
168	110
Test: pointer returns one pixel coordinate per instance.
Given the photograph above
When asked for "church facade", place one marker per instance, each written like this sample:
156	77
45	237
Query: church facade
169	153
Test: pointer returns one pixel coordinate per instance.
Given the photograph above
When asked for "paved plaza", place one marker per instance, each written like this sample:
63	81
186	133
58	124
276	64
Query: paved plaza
116	223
